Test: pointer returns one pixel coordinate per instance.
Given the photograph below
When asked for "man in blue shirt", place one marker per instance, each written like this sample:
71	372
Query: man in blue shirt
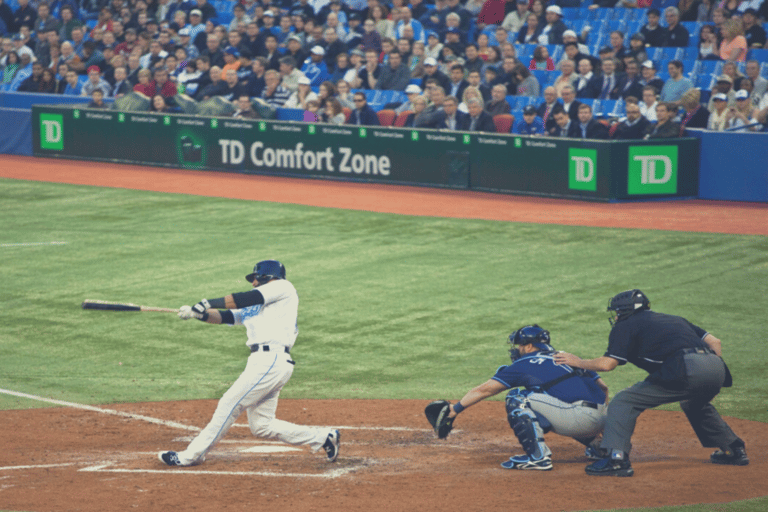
530	124
543	397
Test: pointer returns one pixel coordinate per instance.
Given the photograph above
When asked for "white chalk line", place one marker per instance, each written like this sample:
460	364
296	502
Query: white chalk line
39	466
30	244
105	468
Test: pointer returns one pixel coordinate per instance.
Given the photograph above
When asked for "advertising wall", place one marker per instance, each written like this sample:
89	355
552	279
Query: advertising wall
591	170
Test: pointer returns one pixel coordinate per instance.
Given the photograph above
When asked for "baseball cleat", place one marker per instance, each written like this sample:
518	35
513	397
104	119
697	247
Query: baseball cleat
610	467
169	458
331	445
736	455
524	462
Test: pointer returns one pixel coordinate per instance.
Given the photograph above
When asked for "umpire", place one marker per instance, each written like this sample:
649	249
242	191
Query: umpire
684	365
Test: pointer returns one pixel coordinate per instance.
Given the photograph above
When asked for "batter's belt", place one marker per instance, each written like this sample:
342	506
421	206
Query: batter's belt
265	348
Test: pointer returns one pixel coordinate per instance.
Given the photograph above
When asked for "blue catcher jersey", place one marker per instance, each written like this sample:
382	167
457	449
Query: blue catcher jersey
534	370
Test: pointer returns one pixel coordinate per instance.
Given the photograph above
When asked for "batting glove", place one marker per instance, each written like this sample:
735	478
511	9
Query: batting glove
186	312
201	307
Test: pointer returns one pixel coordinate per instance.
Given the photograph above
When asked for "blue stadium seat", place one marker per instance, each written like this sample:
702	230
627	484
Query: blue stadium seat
764	70
545	78
608	107
690	53
758	54
571	13
518	116
709	67
597	107
704	82
692	27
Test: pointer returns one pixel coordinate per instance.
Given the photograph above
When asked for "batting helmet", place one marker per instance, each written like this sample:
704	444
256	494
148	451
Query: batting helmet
529	334
625	304
266	270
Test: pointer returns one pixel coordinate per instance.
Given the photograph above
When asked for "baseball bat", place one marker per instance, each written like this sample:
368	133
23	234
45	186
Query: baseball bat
123	306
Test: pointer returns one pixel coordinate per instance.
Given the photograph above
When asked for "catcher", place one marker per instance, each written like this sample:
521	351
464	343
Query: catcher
543	397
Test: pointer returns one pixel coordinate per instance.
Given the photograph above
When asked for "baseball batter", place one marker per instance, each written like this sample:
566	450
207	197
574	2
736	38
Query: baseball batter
544	397
269	313
684	364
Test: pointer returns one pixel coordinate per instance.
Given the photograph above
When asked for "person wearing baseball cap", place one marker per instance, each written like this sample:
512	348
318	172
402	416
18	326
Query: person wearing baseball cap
743	113
718	117
95	81
753	32
315	68
530	124
648	72
515	20
302	96
431	70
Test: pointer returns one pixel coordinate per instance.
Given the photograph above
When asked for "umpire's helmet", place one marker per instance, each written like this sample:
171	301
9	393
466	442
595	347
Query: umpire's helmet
529	334
626	304
266	270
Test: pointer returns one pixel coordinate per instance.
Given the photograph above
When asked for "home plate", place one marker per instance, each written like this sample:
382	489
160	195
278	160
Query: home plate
271	449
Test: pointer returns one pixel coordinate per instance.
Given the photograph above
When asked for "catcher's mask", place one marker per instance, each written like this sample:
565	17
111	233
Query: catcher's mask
532	334
265	271
626	304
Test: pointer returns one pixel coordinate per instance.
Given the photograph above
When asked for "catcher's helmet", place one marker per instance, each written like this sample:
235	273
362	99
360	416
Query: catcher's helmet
625	304
266	270
529	334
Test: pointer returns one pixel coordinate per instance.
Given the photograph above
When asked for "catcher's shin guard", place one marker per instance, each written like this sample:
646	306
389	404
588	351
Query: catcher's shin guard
526	427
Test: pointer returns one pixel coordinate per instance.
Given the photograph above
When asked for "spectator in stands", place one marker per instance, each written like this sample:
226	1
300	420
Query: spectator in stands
470	93
630	84
12	66
457	84
617	45
527	84
474	80
568	75
587	83
588	127
73	86
449	117
648	71
274	94
431	71
412	91
653	32
753	32
530	124
231	59
302	95
97	99
333	112
635	126
676	35
665	127
479	120
68	22
696	116
332	46
724	85
363	114
734	45
570	103
47	82
498	102
709	49
718	117
419	104
6	18
610	81
565	126
531	31
20	46
290	75
637	47
369	74
325	92
395	75
32	83
163	85
61	79
45	22
743	114
541	60
677	85
344	94
95	81
232	88
759	84
553	29
515	20
24	15
314	66
650	100
215	87
122	86
545	109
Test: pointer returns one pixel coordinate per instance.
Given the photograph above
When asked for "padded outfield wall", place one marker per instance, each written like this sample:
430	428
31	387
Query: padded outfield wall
574	168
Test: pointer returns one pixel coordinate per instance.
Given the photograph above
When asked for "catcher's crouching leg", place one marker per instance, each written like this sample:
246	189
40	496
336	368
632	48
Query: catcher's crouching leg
529	433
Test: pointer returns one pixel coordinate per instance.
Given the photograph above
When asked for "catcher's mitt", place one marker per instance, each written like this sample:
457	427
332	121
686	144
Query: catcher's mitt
437	415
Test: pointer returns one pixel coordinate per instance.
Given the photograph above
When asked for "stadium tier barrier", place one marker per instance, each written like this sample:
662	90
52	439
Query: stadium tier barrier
557	167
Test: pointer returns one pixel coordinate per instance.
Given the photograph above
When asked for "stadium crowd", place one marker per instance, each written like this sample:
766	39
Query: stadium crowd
602	69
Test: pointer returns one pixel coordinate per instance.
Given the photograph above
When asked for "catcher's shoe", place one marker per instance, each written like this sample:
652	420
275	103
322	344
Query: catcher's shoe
524	462
611	466
734	455
331	445
170	458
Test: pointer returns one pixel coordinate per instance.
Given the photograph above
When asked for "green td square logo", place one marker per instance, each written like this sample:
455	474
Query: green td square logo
363	133
262	126
414	136
52	131
582	169
652	170
311	129
467	139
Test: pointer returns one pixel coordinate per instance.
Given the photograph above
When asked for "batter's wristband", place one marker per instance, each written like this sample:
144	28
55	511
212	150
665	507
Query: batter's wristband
457	407
204	317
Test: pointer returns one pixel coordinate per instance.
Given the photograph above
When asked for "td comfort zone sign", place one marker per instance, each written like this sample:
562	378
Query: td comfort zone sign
652	170
52	131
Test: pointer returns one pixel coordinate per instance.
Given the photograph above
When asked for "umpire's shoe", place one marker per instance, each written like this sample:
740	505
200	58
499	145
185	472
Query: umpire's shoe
331	445
525	462
734	455
616	465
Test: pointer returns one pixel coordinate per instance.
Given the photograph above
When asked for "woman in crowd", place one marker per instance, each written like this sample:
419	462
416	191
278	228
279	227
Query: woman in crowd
470	92
325	92
145	85
734	45
538	7
161	106
419	104
708	47
344	94
493	60
416	60
483	47
732	70
527	85
541	60
12	64
333	113
383	25
529	34
47	82
718	117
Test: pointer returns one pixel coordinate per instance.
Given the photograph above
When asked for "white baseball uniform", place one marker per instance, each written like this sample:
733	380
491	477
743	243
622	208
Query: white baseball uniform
272	328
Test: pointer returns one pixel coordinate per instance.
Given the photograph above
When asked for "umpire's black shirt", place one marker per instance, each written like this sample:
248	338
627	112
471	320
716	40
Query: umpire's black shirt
647	339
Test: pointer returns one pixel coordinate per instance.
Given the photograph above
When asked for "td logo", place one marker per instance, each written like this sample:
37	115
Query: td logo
652	170
582	169
52	131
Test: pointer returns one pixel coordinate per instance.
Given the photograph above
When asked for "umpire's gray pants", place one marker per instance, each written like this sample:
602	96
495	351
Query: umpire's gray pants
706	374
